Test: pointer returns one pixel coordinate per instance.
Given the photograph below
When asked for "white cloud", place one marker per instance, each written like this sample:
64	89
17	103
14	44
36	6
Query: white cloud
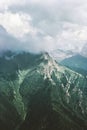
72	36
17	24
46	24
5	4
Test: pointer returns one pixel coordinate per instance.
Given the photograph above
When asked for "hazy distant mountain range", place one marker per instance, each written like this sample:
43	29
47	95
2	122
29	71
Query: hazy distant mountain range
73	60
77	63
60	55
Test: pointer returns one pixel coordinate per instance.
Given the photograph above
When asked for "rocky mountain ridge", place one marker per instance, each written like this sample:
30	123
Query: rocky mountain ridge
42	94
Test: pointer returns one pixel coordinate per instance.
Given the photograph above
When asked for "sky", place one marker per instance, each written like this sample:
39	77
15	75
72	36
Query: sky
43	25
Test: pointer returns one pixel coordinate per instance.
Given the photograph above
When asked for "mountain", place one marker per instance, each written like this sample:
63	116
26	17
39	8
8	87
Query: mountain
37	93
60	55
77	63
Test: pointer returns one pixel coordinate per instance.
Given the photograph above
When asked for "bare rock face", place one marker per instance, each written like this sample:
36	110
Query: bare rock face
39	94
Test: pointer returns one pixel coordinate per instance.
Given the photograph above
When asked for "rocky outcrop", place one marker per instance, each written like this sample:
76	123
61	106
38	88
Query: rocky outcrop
42	95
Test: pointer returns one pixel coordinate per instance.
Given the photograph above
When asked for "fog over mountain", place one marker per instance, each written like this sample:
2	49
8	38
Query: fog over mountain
43	25
43	65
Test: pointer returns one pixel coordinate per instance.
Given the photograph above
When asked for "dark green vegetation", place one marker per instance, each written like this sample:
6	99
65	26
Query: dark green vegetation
36	93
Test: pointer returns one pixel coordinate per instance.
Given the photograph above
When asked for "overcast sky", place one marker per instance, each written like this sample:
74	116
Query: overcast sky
43	25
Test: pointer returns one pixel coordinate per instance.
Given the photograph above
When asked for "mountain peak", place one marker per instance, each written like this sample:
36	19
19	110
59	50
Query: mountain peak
45	55
35	85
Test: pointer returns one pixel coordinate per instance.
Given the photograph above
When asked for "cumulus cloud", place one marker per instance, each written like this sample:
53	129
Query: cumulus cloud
45	24
17	24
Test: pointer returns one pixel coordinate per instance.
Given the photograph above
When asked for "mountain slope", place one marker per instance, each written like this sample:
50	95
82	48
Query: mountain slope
55	96
77	63
44	94
60	55
10	80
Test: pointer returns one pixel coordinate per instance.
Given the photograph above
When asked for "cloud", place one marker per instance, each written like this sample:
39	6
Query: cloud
32	44
5	4
8	42
72	36
45	25
17	24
